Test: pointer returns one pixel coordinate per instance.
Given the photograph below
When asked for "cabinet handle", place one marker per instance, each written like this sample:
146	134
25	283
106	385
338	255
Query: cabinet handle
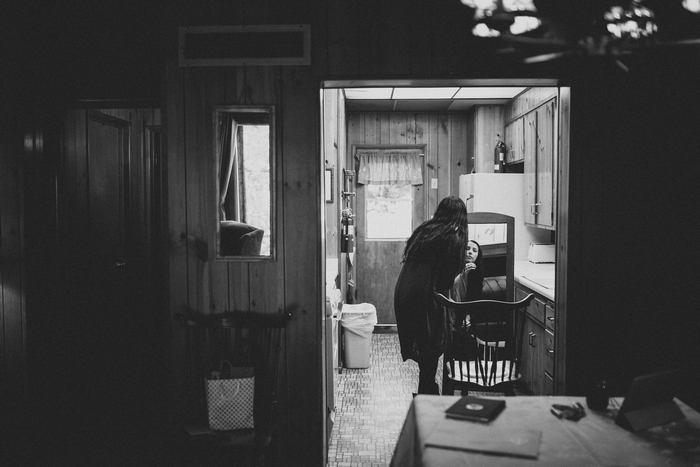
534	209
550	351
550	318
531	339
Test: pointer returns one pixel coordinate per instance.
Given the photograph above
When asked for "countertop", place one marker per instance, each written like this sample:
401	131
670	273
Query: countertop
539	277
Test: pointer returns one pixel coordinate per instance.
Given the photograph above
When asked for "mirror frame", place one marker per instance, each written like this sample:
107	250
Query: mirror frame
254	109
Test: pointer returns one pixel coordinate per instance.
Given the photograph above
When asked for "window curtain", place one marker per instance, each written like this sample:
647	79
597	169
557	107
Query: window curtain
228	149
390	167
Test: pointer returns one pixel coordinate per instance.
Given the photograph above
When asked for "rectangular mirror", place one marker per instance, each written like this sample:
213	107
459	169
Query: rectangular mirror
495	234
244	161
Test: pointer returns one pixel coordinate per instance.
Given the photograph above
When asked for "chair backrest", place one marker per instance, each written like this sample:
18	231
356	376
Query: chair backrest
239	239
498	258
484	339
245	339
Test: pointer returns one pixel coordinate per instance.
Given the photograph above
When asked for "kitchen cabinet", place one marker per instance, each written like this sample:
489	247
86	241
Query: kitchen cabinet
538	357
514	135
539	151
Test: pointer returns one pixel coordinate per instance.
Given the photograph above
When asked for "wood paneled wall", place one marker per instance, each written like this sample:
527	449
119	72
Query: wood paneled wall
444	134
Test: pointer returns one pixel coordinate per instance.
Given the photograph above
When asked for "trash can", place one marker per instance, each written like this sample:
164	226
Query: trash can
357	321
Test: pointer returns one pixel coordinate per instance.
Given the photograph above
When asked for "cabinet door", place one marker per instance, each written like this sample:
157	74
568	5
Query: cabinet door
527	359
544	210
530	165
532	366
539	143
514	141
547	353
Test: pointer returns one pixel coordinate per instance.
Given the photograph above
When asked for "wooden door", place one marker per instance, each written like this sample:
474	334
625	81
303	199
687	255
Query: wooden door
378	261
111	321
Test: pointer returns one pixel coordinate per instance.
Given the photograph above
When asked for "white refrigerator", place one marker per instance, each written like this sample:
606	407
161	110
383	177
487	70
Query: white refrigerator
501	193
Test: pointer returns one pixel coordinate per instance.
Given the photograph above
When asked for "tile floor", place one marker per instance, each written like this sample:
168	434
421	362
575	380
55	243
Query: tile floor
371	405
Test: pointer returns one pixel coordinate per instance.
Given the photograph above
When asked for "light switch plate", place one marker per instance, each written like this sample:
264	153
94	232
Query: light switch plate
433	183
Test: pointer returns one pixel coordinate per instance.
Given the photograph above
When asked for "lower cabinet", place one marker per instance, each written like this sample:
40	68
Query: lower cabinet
537	364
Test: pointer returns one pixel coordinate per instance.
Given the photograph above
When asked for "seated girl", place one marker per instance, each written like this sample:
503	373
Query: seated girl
468	285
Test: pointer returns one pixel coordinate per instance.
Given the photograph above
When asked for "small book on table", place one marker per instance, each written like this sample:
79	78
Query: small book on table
475	409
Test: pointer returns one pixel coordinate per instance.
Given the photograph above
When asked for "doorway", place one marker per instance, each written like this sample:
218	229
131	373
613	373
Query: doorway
382	110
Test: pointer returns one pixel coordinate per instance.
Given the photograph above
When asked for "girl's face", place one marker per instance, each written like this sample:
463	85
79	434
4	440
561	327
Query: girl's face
472	252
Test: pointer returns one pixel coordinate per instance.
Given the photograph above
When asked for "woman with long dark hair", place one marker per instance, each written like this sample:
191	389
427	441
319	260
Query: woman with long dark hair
434	255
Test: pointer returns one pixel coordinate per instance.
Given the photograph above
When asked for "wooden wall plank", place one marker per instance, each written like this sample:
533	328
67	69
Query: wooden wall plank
458	150
12	315
176	180
398	128
199	235
443	156
422	136
372	128
432	162
301	262
384	128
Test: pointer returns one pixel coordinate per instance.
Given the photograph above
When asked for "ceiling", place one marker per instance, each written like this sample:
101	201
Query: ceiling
426	99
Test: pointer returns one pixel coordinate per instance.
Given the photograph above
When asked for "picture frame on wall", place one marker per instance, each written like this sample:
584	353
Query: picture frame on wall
329	185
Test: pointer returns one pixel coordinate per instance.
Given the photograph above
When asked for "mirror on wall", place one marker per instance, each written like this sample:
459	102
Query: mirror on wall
244	158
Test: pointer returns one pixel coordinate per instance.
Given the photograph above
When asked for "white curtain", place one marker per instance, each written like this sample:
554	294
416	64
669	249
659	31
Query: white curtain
391	167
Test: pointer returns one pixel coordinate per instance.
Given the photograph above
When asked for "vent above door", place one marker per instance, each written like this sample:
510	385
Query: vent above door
245	45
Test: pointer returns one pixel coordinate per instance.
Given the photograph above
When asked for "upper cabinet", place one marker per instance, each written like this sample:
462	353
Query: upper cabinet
531	137
540	165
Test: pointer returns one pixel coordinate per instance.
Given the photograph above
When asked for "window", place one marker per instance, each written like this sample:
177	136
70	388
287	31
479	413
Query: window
389	211
253	180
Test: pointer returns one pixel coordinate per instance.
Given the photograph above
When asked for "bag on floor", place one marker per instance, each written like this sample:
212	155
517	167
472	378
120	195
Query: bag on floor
230	398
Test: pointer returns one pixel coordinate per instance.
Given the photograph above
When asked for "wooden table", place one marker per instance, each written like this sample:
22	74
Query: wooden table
595	440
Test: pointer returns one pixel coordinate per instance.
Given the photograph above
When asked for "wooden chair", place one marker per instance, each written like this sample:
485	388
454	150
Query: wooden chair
245	339
483	345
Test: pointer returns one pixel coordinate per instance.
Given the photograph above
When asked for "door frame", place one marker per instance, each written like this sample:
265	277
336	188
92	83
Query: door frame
563	181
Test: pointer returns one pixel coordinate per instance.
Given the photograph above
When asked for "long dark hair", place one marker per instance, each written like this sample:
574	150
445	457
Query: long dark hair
445	234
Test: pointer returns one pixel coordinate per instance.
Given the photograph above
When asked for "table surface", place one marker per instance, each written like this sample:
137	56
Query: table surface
595	440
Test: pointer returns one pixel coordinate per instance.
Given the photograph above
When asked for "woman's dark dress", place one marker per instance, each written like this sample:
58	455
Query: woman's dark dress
420	323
